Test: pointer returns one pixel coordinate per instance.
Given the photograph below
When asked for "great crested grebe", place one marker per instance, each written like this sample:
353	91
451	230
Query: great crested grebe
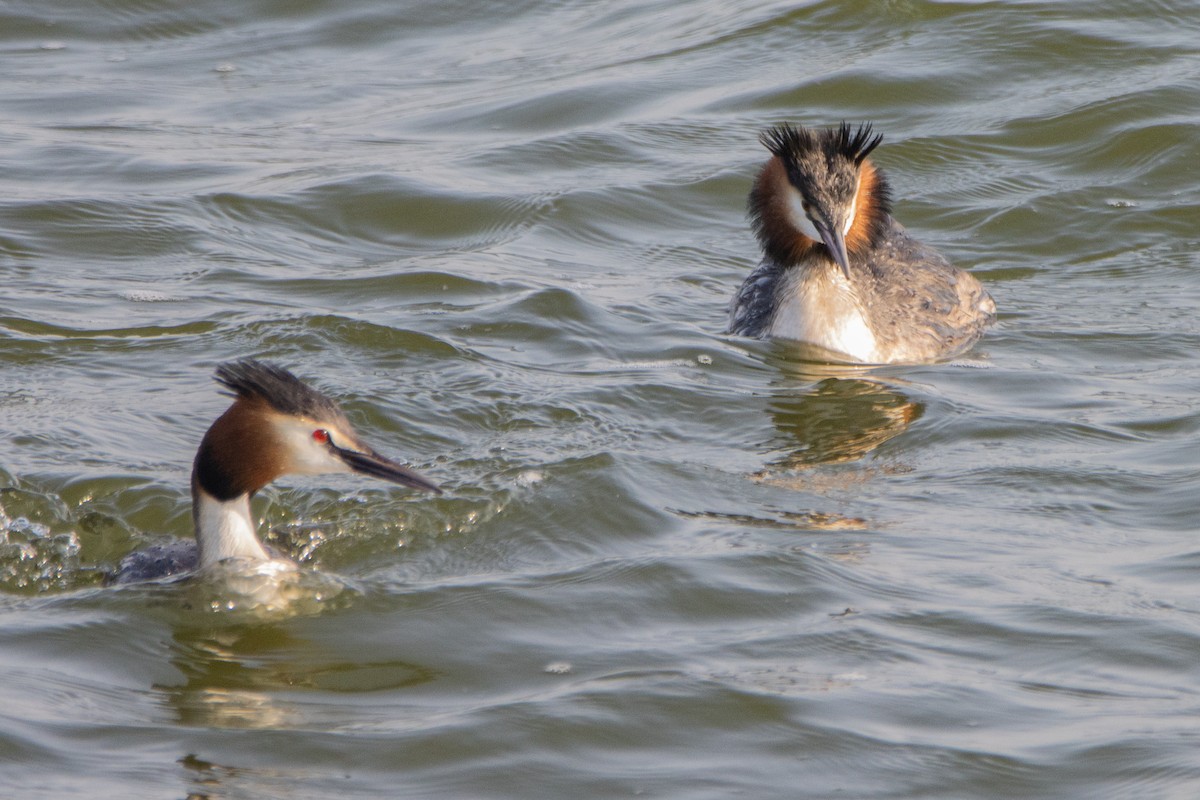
276	426
838	271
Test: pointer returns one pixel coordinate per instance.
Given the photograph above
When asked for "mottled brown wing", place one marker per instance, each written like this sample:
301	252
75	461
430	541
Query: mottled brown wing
924	307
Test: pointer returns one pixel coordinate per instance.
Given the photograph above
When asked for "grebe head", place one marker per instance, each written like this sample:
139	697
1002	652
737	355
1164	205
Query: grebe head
276	426
279	426
818	187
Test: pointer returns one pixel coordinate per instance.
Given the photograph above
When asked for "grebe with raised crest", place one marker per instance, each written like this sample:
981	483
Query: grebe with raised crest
838	271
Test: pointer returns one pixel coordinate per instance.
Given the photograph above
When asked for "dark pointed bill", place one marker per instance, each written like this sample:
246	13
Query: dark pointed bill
377	466
836	245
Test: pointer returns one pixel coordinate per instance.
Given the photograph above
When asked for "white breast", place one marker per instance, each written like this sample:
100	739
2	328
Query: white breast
822	309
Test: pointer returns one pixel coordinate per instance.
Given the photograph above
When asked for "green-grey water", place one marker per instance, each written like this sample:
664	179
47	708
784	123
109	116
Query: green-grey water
669	563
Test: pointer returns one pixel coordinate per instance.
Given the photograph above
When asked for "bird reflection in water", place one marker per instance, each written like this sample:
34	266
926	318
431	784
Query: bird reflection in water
262	677
249	677
843	416
826	417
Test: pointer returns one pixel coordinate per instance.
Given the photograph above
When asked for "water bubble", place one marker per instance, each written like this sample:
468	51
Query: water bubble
32	558
558	668
530	477
24	525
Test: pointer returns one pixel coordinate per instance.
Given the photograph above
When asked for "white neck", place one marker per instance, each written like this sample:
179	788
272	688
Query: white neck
225	529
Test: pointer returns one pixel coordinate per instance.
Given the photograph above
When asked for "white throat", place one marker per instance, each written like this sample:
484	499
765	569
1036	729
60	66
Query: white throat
225	529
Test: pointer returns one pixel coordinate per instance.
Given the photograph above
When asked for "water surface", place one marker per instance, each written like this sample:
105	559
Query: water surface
670	563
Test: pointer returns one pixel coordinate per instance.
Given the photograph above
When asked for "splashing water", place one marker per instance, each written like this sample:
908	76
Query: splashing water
33	558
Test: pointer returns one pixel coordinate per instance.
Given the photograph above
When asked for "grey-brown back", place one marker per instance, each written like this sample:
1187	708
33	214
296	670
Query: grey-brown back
919	305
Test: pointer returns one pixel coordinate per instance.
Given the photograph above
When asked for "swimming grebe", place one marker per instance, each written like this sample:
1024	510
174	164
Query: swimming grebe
276	426
838	271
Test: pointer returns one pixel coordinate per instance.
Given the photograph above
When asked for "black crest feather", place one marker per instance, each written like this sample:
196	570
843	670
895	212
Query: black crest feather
857	144
791	142
274	385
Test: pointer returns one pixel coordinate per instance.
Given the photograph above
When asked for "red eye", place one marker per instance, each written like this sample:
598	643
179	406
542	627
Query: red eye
321	435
